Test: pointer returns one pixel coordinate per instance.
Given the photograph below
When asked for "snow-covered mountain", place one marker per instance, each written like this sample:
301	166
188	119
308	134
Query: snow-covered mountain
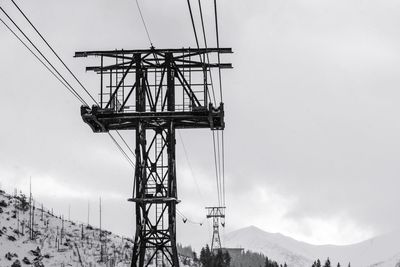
382	251
54	241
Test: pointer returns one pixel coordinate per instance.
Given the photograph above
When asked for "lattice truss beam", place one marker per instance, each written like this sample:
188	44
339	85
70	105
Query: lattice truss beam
155	199
124	72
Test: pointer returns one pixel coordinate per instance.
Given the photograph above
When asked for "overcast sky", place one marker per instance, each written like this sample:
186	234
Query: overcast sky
312	114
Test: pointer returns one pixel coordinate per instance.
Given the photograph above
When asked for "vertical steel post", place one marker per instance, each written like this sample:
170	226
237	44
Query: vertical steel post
172	187
205	75
140	244
111	79
101	83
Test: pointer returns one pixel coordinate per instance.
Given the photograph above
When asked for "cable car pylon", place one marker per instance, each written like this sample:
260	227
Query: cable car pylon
217	214
154	92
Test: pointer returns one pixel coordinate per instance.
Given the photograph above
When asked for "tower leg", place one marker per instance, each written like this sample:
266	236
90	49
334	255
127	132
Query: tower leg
155	199
216	240
172	188
155	182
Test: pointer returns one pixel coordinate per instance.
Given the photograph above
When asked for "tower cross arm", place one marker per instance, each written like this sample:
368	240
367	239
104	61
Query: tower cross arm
160	52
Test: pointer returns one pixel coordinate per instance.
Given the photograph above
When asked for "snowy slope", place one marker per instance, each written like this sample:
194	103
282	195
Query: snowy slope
382	251
56	242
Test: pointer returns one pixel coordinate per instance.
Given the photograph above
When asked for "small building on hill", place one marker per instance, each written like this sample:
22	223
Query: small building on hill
233	252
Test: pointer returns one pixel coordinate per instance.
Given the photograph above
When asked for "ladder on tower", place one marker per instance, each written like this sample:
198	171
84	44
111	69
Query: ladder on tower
157	80
119	97
159	207
187	104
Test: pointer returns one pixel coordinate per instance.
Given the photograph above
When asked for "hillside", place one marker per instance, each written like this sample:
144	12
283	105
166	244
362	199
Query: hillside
55	241
382	251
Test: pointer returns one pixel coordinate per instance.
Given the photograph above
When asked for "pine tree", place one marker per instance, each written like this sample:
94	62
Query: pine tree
218	259
209	259
206	256
327	263
317	263
227	259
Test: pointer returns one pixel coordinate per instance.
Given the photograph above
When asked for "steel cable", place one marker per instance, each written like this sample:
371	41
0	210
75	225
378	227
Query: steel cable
60	77
41	61
44	57
54	52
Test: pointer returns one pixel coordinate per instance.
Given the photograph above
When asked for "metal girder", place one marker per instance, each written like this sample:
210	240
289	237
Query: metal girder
189	65
154	92
215	212
103	120
155	198
194	51
155	58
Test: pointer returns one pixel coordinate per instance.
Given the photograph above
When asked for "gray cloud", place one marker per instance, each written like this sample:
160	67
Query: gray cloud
312	126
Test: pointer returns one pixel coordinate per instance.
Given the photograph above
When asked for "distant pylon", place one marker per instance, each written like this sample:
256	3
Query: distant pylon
216	213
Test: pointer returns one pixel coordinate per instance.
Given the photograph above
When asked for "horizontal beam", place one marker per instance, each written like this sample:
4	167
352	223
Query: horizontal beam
153	50
160	66
215	216
104	120
156	200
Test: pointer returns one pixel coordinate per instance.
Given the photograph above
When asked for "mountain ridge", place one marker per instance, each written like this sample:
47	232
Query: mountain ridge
382	251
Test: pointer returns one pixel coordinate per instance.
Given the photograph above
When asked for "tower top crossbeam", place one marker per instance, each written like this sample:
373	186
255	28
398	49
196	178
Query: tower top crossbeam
192	105
156	58
215	212
197	51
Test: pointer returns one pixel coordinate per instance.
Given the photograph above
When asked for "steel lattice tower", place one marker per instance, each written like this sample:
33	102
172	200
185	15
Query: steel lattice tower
154	92
216	213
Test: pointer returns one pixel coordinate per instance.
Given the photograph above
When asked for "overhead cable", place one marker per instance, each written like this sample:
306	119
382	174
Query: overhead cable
190	166
43	63
60	77
54	52
44	57
219	55
144	23
206	47
216	170
121	150
217	157
220	90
